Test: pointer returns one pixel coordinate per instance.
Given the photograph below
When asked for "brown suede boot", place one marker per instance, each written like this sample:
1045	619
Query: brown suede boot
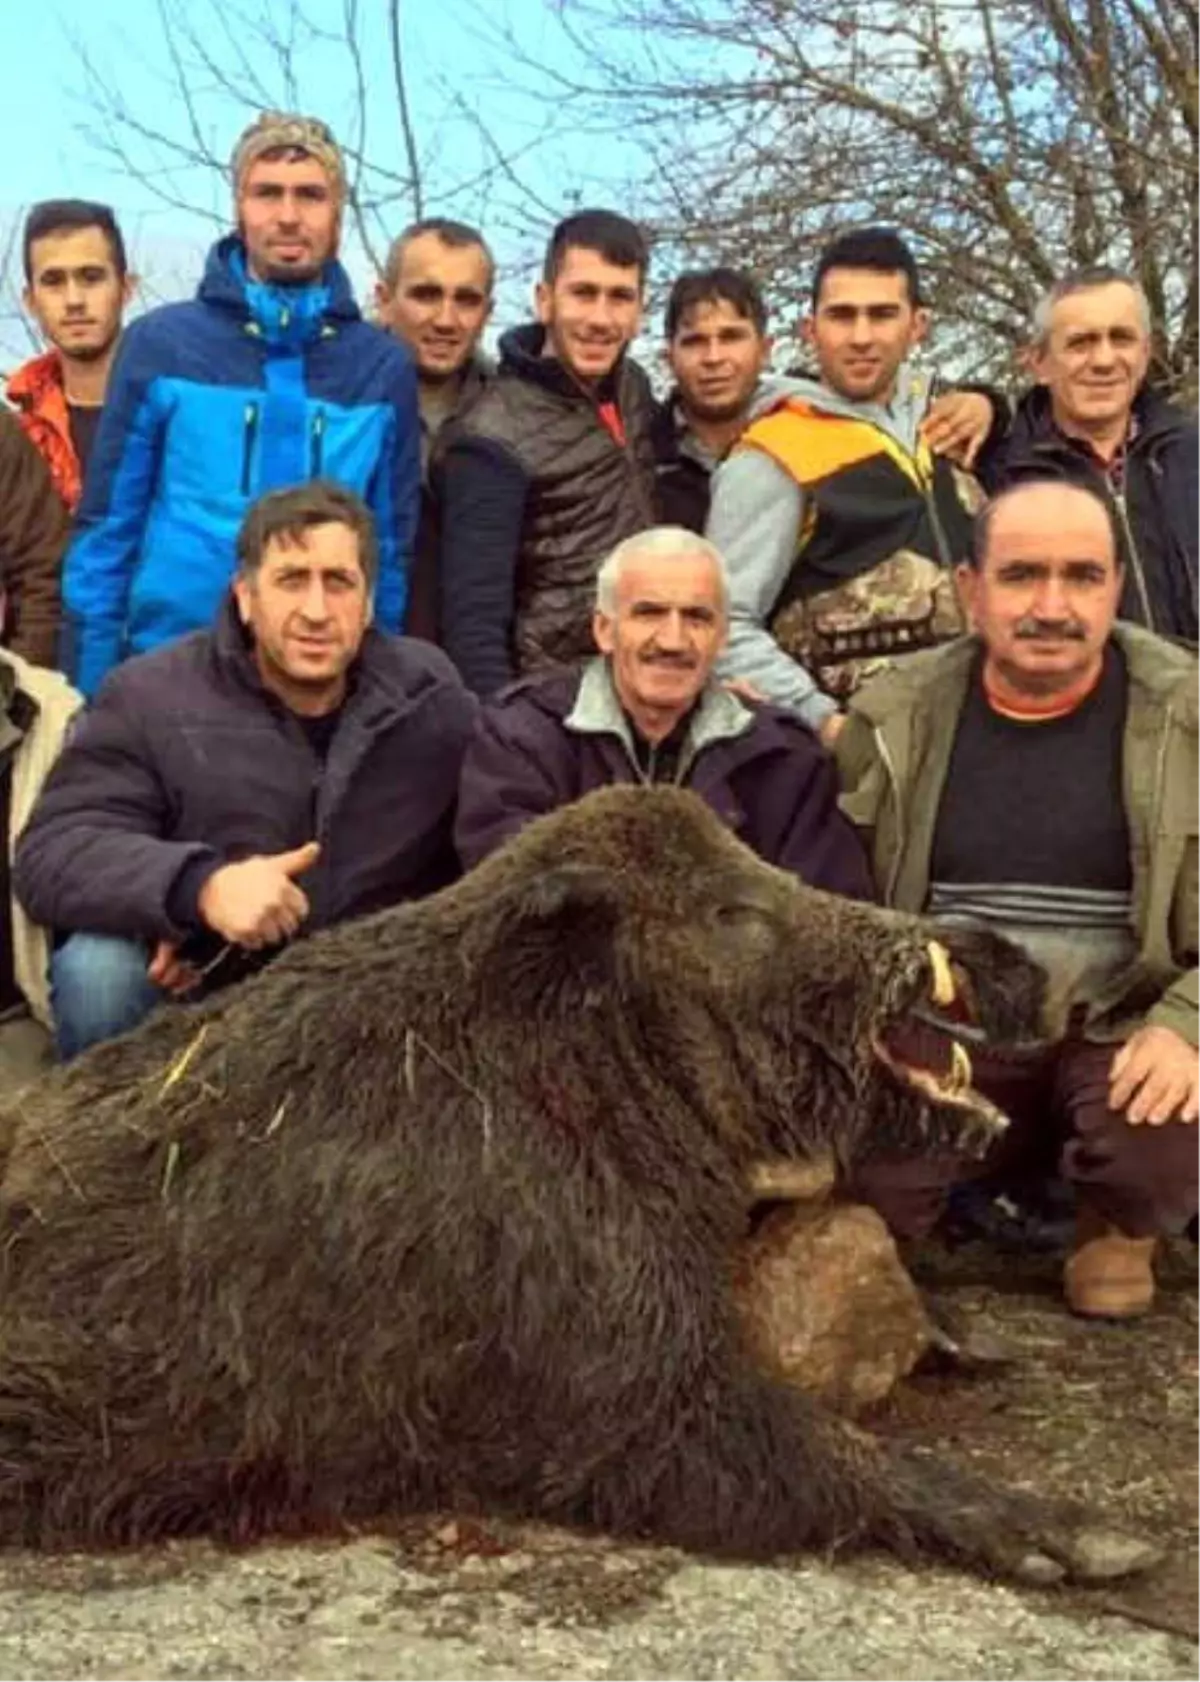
1108	1275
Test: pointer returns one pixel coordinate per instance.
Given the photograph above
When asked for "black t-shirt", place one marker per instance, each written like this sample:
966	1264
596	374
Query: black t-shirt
1039	801
84	423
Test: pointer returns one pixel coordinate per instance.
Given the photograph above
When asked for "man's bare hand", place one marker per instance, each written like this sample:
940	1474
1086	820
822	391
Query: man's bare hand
1155	1078
957	424
256	903
830	728
171	972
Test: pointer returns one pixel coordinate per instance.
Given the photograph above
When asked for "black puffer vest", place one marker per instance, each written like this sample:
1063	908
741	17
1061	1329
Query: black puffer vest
587	492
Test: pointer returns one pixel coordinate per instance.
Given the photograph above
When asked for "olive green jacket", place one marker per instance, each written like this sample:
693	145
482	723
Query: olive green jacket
893	754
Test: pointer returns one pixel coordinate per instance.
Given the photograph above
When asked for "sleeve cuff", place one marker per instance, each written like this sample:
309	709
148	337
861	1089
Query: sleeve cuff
183	897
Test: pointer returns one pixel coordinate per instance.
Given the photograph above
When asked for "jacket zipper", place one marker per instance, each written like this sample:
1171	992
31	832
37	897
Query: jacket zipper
889	766
249	433
935	523
1110	998
316	460
1135	559
627	448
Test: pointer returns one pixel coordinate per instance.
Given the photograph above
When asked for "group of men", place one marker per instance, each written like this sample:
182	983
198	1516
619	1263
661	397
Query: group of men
788	594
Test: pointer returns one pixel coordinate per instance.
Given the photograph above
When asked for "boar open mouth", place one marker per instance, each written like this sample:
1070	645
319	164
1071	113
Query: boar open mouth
928	1048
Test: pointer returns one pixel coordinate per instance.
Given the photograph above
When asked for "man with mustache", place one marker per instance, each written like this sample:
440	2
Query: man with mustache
267	378
647	710
1093	418
1040	777
551	465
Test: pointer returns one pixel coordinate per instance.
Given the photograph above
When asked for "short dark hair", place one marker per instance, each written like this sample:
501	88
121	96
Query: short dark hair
617	240
716	286
291	512
981	531
460	235
876	248
68	216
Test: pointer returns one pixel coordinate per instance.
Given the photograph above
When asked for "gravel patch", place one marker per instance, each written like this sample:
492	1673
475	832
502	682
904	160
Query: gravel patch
554	1605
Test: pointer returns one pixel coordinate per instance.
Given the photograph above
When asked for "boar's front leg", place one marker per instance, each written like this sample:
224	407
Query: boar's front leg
943	1509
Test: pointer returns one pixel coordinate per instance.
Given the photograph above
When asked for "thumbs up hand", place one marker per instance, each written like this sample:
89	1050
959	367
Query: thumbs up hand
256	902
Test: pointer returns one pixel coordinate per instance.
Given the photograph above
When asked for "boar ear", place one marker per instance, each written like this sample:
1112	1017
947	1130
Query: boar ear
555	932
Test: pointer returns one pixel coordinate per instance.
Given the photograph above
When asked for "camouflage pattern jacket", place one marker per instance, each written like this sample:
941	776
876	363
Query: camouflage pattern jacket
841	531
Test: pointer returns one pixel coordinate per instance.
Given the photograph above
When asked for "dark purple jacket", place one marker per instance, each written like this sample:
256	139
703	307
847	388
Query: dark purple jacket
185	762
546	741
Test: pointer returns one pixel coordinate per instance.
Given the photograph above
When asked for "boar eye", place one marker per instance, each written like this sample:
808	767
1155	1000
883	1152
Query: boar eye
739	914
747	928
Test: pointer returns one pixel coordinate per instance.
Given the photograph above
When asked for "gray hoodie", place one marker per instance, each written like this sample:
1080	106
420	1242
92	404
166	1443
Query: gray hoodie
755	521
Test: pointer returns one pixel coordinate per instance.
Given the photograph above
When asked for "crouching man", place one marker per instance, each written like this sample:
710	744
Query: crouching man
288	770
1039	778
36	707
647	710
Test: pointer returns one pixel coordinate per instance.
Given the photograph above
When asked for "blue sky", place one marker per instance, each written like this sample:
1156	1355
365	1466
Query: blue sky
464	86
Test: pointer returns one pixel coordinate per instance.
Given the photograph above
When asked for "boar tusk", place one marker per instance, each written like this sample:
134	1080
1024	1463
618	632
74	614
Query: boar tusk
961	1072
792	1180
944	990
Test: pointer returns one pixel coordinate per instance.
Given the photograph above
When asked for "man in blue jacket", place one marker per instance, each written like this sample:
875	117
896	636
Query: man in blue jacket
268	377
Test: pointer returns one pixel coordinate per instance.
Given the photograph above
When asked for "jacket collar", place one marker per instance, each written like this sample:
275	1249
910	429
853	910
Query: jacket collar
30	384
19	707
522	353
1034	425
473	379
325	304
1165	670
938	680
597	711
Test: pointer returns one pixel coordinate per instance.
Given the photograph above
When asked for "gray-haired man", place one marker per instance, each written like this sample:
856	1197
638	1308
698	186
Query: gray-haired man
648	710
1092	418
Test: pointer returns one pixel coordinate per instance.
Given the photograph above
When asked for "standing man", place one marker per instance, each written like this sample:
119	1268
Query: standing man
1092	419
841	512
436	295
288	769
552	465
269	377
717	350
77	284
1039	778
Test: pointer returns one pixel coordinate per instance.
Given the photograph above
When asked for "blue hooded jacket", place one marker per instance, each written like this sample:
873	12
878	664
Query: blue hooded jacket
211	403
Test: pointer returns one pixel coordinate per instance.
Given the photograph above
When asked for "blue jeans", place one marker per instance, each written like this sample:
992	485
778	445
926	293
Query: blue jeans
99	989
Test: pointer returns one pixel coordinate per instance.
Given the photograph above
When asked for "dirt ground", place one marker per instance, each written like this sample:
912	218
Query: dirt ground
1107	1414
1101	1412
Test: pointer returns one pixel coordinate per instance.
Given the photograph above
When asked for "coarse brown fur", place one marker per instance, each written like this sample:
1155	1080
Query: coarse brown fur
442	1209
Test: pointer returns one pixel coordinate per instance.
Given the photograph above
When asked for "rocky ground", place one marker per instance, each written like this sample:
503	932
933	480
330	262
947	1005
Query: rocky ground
1105	1413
